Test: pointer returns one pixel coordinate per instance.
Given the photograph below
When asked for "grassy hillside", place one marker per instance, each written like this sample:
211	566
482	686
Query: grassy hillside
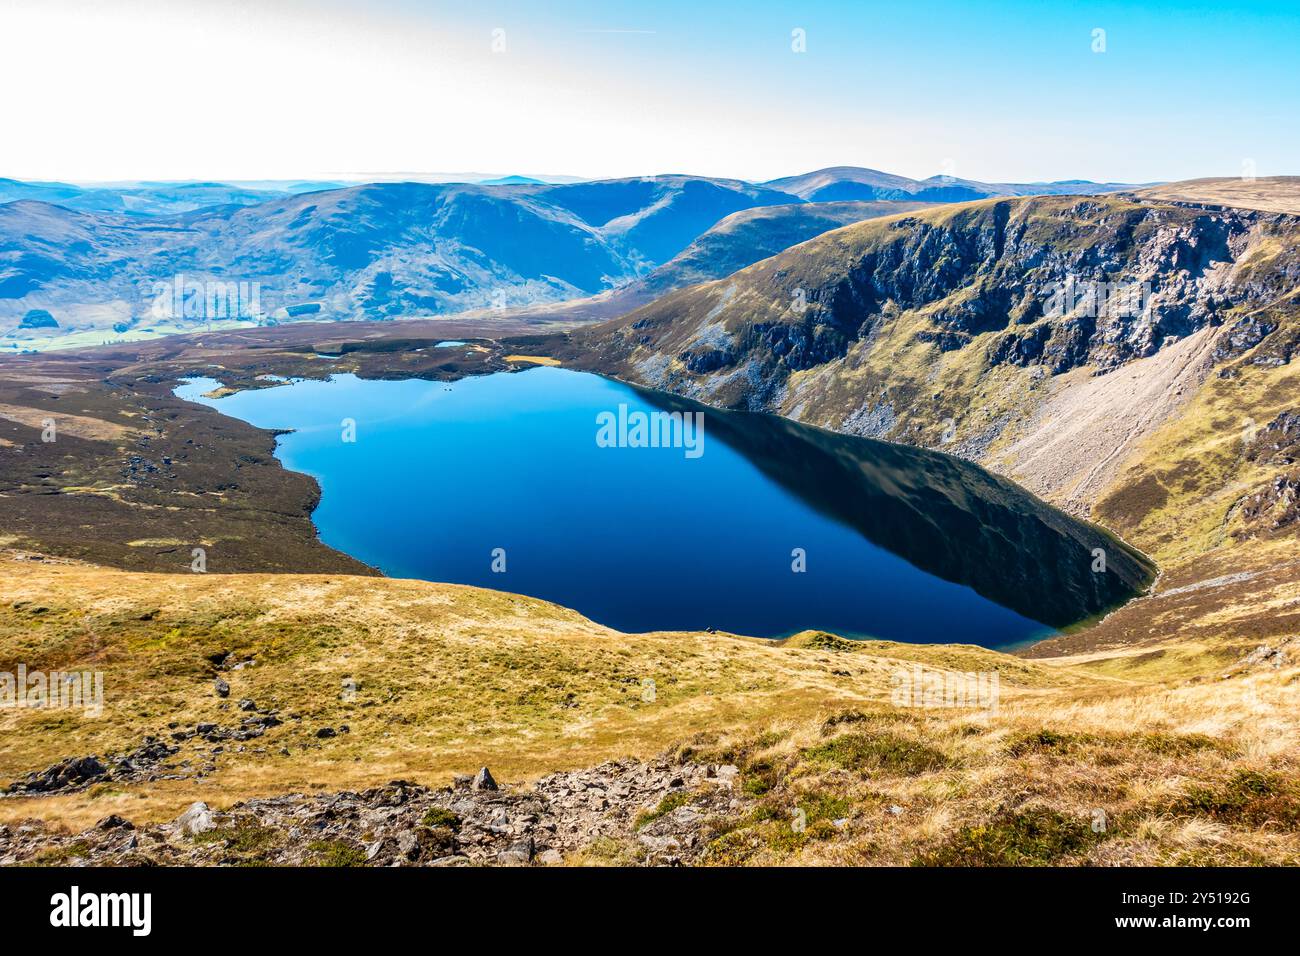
1269	193
447	678
746	237
433	679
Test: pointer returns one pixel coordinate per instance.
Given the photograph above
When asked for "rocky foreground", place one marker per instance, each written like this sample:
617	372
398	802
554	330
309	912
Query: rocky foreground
654	812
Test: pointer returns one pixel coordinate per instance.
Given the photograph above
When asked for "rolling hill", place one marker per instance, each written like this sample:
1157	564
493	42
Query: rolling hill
150	198
744	238
739	240
654	218
377	251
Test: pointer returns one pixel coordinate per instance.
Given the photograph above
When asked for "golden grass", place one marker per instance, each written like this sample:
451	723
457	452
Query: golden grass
1268	193
449	678
79	426
1070	776
533	359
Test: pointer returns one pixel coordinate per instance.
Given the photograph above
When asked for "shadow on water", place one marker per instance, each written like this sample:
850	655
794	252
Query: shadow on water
942	514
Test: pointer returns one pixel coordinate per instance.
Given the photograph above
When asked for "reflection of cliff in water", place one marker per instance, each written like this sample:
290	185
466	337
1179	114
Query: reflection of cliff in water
943	515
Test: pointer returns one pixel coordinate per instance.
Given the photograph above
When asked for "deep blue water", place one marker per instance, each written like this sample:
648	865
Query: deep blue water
640	539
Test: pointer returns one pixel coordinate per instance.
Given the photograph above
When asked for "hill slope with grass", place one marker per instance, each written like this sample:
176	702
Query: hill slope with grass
736	241
1267	193
731	750
746	237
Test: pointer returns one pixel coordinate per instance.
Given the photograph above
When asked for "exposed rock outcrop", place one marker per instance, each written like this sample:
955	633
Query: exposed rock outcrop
76	773
405	824
1058	282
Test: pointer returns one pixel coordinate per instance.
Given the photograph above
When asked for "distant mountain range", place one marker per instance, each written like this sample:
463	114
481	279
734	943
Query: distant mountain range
149	199
841	183
93	257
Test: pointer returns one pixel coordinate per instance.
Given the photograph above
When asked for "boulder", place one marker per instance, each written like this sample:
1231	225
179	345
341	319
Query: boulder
197	819
518	854
85	768
408	847
73	772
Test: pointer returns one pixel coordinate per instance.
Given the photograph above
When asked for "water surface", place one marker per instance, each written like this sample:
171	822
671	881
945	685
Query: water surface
445	478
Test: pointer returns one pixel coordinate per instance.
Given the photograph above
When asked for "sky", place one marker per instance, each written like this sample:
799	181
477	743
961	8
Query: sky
111	90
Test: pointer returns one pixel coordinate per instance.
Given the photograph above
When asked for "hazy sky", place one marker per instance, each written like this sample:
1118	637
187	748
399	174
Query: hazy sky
1012	91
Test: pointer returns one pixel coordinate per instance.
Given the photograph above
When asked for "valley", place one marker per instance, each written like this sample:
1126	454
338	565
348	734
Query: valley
929	329
923	333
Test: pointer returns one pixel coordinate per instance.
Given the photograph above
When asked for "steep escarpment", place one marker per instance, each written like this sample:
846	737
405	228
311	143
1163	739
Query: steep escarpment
1051	283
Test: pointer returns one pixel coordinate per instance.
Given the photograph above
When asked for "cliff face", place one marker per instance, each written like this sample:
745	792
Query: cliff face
1052	283
985	329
